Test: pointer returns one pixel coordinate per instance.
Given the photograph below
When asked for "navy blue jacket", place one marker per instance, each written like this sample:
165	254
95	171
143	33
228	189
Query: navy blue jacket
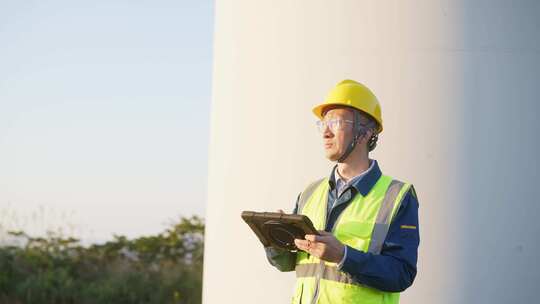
394	269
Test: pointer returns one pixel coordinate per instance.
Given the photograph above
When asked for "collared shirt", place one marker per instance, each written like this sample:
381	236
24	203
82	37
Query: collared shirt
341	184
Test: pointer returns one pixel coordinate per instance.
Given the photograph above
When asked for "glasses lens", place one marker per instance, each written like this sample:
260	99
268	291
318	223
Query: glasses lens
338	125
333	124
321	125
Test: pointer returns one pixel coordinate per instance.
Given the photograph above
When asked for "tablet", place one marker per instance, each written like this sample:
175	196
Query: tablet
279	230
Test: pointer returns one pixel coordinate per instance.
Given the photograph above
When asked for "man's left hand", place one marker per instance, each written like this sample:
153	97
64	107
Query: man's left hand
324	246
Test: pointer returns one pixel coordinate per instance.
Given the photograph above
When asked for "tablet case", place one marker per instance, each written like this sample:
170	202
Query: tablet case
279	229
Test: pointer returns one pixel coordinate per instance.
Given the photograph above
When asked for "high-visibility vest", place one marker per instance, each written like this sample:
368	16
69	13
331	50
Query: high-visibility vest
362	225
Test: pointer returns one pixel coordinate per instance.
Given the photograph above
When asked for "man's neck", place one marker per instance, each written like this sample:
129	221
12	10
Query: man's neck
351	168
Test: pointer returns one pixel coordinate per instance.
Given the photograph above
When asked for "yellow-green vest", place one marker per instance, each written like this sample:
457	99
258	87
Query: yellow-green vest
363	225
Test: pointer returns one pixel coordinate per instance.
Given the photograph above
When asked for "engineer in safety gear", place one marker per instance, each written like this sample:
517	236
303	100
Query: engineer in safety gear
368	222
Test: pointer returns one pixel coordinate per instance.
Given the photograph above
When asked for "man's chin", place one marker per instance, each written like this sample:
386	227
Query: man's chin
331	156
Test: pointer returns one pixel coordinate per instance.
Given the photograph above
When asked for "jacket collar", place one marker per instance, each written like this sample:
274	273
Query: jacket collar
364	184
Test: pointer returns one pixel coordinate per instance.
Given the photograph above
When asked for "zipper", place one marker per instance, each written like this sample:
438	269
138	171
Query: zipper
342	211
332	230
337	220
321	262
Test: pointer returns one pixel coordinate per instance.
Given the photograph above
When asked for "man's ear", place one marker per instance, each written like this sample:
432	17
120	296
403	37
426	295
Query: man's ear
366	136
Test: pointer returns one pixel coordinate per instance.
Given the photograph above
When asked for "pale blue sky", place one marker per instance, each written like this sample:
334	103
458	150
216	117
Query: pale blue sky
104	113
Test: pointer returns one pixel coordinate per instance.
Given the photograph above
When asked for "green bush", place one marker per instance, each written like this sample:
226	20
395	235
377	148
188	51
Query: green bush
165	268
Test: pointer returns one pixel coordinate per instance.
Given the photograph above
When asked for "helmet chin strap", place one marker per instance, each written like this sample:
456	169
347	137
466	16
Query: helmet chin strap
358	132
350	148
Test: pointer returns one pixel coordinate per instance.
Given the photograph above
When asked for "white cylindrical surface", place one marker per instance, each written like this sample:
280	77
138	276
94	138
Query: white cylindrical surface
457	82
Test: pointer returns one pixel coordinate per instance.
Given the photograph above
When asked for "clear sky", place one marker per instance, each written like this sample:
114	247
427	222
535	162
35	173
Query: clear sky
104	114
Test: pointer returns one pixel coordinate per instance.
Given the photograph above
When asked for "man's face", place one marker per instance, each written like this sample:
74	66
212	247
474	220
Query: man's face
335	140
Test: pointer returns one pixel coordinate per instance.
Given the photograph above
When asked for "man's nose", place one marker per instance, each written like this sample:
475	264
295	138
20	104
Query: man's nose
327	133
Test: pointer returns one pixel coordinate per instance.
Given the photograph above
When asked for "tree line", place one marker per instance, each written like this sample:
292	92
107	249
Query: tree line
164	268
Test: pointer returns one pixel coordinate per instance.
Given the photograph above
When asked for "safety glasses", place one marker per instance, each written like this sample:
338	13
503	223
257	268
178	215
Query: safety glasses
334	125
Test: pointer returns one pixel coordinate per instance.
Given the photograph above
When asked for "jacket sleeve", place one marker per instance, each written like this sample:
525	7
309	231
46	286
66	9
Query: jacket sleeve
283	260
394	269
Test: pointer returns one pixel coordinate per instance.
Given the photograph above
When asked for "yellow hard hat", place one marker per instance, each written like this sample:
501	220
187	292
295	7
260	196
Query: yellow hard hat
352	94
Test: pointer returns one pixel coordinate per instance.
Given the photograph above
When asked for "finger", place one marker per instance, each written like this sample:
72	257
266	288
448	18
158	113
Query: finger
324	233
316	238
303	248
302	244
311	237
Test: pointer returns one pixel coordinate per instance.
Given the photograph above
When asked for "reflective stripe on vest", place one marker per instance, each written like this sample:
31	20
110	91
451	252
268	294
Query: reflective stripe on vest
362	225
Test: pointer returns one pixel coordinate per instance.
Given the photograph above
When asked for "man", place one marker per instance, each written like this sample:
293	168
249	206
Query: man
368	222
